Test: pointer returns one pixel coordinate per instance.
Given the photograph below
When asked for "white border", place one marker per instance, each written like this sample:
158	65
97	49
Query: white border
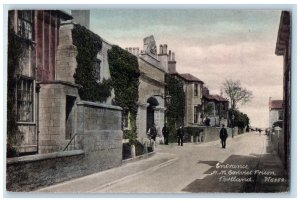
259	4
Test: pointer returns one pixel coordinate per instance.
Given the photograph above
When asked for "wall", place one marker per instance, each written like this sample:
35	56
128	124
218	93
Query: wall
31	172
99	140
273	117
191	102
99	125
212	133
104	67
66	54
52	114
152	84
277	139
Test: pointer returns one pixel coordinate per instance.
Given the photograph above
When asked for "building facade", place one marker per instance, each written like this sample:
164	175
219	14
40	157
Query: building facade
151	104
39	32
275	111
50	111
283	48
215	108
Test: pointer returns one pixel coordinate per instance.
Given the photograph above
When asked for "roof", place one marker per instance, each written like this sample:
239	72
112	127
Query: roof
217	98
189	77
64	15
276	104
283	36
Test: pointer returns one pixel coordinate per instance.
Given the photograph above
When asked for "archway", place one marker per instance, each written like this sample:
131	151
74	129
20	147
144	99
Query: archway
150	111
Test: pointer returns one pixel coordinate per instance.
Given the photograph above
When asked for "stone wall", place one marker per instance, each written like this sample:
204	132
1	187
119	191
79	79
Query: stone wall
66	54
212	133
31	172
277	140
99	134
52	115
99	141
104	67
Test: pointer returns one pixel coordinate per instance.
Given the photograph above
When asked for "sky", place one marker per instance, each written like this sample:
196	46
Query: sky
213	45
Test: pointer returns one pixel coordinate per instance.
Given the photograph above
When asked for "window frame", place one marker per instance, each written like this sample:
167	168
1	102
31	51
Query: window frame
33	107
196	90
28	23
196	117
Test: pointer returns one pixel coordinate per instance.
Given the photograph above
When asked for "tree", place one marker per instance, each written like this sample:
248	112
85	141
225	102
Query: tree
176	107
240	120
236	93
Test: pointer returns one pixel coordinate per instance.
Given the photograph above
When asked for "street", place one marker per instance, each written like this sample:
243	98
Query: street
176	169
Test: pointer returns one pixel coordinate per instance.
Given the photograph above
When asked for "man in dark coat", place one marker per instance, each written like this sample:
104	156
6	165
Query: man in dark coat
223	136
180	134
153	132
165	132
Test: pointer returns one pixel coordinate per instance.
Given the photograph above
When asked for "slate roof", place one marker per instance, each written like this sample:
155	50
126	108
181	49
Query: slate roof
276	104
216	97
189	77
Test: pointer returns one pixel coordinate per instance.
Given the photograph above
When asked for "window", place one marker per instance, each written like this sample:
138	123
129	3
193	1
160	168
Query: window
195	89
97	70
280	115
25	24
195	114
25	100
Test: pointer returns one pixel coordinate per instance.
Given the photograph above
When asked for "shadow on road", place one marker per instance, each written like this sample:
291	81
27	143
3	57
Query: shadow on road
210	163
256	173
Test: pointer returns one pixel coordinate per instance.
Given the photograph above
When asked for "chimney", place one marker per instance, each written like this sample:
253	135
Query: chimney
163	56
172	63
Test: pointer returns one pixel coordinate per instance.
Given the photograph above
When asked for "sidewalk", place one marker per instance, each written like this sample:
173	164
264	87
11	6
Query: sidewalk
267	176
279	182
112	176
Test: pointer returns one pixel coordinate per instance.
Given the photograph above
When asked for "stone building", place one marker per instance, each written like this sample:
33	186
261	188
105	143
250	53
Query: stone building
50	110
283	48
39	33
275	111
151	104
193	88
218	115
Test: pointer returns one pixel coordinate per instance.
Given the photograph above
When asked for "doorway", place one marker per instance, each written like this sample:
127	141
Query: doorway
70	102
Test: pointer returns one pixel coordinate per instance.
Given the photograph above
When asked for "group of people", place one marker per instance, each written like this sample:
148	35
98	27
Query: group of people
180	134
165	131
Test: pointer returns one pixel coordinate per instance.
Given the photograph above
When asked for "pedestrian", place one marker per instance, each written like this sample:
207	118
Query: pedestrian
152	132
223	136
180	134
165	132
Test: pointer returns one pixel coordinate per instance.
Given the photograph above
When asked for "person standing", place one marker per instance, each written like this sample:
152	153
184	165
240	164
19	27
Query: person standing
165	132
153	132
180	134
223	136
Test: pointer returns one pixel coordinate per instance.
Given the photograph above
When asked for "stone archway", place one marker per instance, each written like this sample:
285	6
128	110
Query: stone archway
152	101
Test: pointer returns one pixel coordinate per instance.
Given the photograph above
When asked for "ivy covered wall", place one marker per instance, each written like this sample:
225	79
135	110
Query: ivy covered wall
88	45
124	70
16	51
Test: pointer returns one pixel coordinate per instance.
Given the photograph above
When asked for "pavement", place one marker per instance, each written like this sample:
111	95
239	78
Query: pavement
252	166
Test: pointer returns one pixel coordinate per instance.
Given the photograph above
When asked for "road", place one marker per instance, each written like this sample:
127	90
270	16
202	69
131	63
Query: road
175	169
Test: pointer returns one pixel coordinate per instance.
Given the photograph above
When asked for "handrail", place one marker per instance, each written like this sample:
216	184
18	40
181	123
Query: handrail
73	138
